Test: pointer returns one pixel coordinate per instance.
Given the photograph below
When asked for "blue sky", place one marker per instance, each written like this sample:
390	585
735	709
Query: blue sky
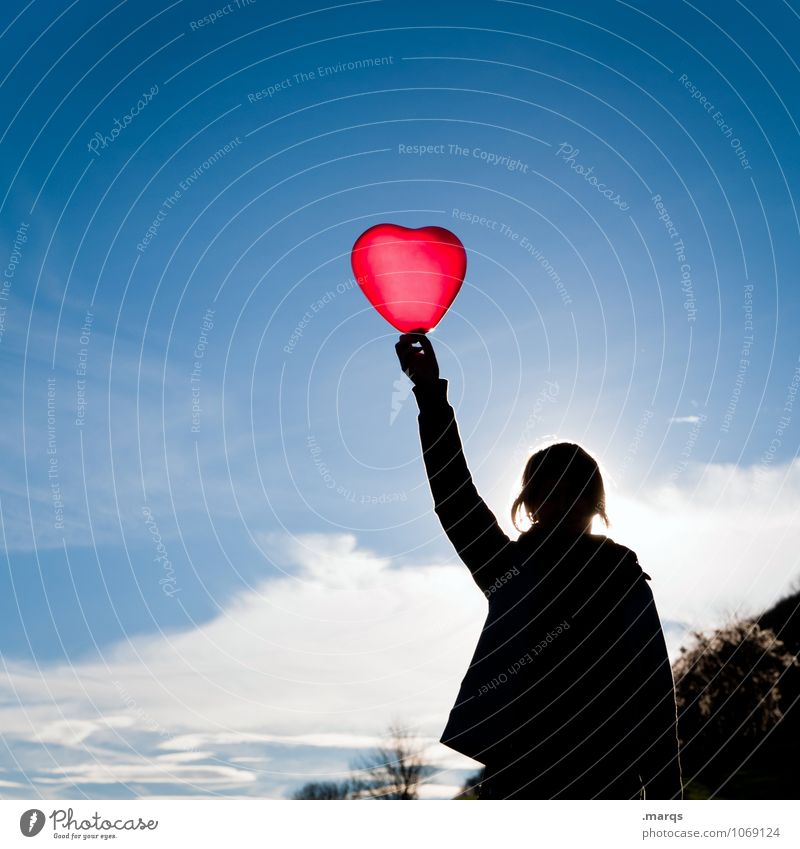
222	572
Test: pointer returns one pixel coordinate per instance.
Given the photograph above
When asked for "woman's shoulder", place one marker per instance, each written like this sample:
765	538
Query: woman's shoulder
619	558
610	556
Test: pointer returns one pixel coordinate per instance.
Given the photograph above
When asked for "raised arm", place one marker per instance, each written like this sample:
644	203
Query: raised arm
469	524
655	715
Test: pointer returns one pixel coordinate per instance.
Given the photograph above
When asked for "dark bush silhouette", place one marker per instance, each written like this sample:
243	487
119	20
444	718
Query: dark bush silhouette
730	702
784	619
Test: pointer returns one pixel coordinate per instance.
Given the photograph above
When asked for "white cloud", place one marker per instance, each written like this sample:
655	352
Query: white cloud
325	741
684	420
719	540
439	791
72	732
140	772
323	659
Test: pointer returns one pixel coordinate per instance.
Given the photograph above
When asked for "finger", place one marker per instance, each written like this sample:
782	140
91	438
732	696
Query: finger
405	355
403	347
425	343
408	338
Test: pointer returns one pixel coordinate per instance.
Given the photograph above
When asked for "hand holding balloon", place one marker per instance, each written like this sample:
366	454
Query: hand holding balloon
418	363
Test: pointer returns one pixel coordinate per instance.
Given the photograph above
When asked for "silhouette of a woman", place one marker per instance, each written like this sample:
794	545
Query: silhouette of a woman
570	693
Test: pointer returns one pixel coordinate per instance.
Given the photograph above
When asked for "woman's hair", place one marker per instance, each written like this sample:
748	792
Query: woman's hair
564	475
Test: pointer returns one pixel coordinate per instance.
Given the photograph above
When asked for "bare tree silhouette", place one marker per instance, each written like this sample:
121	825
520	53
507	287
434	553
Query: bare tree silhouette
324	790
392	771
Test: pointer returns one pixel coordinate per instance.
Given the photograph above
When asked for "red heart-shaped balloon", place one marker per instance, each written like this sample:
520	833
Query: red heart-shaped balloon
410	276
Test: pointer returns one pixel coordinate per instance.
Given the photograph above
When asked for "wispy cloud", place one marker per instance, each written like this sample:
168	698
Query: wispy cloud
318	662
718	541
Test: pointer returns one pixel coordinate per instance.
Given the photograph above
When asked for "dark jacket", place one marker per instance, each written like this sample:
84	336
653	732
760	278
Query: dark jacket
570	682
